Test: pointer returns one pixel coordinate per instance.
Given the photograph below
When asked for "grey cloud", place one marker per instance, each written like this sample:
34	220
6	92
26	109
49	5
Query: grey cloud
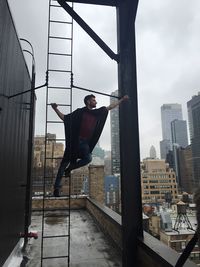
167	57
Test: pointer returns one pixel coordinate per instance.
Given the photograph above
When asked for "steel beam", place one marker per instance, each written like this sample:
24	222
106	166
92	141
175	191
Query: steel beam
129	133
97	2
89	31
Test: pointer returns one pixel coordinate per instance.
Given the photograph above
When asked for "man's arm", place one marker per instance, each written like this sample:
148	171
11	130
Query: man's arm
117	103
55	108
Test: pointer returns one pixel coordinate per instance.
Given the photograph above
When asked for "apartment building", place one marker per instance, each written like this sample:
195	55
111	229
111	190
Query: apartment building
158	181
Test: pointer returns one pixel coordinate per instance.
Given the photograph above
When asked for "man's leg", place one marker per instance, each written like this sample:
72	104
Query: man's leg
63	165
85	157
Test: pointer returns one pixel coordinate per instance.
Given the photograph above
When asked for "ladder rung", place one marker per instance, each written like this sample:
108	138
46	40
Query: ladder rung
48	177
51	215
52	177
54	121
59	54
53	158
58	37
60	21
55	139
56	208
54	0
56	257
55	70
62	197
55	5
59	87
55	236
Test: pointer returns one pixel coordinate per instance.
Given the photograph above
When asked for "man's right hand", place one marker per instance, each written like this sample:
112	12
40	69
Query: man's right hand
55	108
54	105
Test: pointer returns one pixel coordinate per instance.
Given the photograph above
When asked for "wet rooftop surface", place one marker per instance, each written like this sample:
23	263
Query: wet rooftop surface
89	247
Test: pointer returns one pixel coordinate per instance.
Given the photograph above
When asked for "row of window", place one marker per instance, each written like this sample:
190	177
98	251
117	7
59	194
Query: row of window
157	192
158	181
158	186
157	198
157	176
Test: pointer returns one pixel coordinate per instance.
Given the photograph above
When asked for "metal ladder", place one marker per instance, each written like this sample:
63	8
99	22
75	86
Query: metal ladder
59	90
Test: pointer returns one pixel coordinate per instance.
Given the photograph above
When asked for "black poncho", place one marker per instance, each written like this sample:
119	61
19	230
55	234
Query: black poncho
72	123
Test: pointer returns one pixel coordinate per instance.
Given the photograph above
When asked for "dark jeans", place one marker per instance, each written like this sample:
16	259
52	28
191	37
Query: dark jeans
84	158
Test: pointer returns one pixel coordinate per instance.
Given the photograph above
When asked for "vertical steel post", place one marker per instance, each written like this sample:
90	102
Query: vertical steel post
129	133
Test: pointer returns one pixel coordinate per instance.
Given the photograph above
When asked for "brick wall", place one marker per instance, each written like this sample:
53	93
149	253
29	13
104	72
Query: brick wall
96	183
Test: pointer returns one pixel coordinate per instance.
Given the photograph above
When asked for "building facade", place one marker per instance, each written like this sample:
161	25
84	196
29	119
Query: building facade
96	183
79	181
54	154
165	147
191	104
179	133
179	240
186	167
115	148
157	181
169	112
194	125
112	192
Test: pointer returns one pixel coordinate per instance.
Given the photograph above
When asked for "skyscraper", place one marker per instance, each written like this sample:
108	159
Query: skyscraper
164	148
194	126
115	150
111	184
179	140
152	152
179	133
169	112
185	159
194	103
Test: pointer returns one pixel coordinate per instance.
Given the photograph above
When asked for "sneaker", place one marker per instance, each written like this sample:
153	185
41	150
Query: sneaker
67	172
56	192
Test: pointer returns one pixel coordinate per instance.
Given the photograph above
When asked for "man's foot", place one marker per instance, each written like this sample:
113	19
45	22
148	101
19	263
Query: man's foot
67	172
56	192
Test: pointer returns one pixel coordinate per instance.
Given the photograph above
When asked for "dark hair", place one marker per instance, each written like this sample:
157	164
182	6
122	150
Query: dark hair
88	97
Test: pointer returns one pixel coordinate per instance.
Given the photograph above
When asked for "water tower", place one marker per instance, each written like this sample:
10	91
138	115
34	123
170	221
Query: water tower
182	216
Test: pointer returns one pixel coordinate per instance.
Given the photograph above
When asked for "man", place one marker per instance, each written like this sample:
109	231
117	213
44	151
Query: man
83	128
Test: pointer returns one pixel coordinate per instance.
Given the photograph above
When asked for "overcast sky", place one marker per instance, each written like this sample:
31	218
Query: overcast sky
168	51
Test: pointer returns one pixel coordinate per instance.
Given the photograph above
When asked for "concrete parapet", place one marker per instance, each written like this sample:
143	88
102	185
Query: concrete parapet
58	203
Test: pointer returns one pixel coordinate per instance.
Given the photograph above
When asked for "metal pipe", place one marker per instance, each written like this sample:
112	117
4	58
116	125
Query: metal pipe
30	146
96	92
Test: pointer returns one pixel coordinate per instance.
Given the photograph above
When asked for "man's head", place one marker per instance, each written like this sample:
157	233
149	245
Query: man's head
90	101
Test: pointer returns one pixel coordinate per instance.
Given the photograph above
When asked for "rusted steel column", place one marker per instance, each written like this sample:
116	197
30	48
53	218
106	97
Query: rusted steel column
129	133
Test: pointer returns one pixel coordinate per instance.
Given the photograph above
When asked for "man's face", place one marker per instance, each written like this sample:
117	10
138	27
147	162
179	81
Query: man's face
92	102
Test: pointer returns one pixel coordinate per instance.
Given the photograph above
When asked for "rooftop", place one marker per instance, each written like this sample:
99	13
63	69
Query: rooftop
95	238
89	246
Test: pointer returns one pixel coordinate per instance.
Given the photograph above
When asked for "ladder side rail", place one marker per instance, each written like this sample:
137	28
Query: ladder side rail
45	147
52	157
